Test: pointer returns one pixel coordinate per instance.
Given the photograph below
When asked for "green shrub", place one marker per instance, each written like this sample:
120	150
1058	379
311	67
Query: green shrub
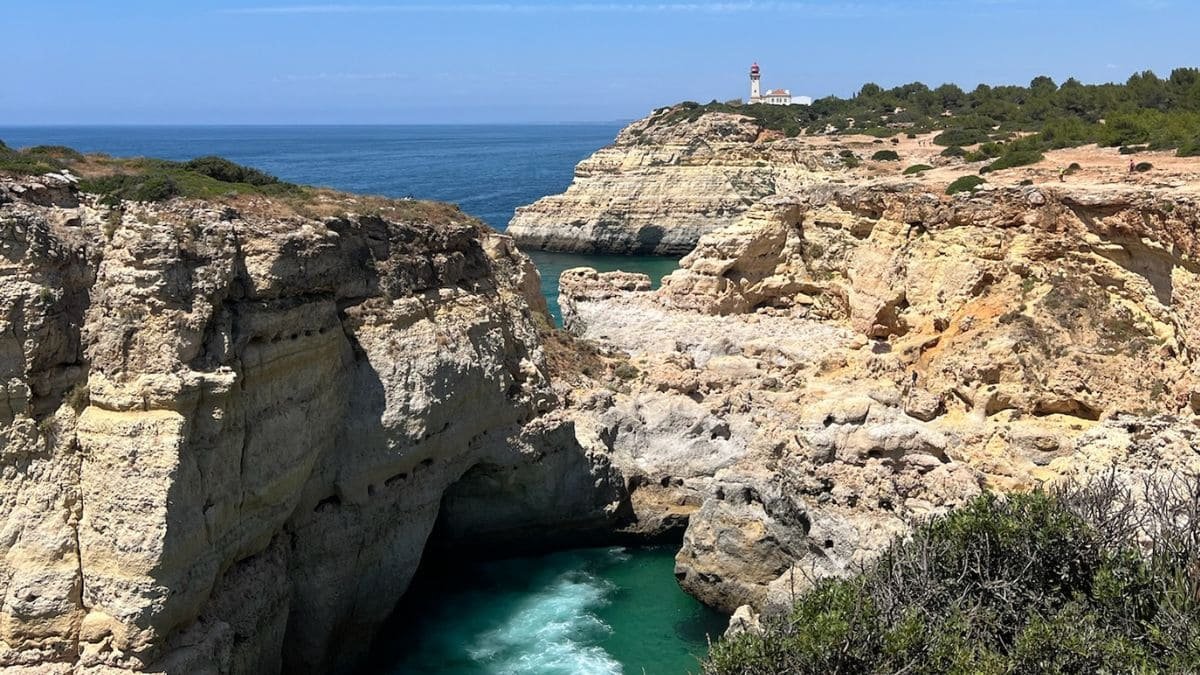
960	137
132	187
886	156
917	168
910	135
1143	167
1131	149
24	162
154	189
1073	168
846	153
226	171
626	371
851	162
954	151
964	184
1014	158
991	150
1189	149
1030	583
57	152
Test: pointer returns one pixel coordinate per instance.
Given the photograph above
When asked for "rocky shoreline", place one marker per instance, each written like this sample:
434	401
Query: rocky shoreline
233	426
845	361
658	188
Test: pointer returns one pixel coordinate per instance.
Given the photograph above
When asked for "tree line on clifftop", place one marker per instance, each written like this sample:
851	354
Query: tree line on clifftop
1014	124
1097	577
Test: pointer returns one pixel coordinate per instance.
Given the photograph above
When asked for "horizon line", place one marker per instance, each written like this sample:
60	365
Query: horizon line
43	125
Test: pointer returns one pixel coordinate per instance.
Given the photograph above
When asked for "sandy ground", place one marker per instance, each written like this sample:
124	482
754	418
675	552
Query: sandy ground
1100	166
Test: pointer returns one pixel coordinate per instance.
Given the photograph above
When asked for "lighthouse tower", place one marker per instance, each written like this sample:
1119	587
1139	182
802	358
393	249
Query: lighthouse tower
754	88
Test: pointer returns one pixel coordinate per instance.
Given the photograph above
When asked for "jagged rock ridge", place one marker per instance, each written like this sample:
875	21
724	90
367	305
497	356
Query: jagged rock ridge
846	359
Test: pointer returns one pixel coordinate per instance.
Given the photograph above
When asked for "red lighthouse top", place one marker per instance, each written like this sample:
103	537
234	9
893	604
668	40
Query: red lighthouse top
754	69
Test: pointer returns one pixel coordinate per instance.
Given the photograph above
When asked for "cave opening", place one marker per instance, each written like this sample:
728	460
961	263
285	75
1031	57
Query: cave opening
488	595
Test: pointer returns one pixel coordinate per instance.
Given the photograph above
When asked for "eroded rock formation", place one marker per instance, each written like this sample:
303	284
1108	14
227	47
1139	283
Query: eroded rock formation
844	360
227	431
659	187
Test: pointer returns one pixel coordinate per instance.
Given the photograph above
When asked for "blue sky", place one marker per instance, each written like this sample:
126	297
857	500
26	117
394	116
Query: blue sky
369	61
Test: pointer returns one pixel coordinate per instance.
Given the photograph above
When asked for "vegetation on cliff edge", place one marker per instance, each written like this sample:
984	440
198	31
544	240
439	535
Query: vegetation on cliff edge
144	180
1149	111
116	180
1036	583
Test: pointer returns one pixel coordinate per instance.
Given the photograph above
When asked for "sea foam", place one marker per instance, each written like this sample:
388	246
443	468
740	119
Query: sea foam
554	630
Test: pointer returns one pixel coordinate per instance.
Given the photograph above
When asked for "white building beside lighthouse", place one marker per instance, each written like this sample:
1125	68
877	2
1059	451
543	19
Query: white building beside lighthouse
774	96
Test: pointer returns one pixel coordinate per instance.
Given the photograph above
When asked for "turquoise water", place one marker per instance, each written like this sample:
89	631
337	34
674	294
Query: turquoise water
580	612
488	170
550	265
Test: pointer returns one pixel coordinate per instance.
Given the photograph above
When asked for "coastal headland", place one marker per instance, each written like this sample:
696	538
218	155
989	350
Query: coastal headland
237	410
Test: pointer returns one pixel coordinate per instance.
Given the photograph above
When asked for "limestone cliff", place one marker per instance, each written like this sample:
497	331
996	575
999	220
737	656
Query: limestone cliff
845	359
227	429
659	186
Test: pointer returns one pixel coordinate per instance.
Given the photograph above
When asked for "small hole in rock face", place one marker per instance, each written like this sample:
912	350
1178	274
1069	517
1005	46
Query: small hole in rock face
665	481
828	421
329	502
828	543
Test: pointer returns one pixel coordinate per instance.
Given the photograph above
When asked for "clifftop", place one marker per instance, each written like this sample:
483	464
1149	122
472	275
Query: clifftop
671	177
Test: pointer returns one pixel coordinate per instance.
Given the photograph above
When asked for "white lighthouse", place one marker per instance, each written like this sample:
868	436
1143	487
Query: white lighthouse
774	96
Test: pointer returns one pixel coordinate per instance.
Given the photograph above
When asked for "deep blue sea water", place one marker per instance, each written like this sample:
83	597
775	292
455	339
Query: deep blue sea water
591	611
488	170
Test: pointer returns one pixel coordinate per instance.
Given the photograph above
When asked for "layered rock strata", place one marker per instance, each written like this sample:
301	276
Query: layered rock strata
227	431
845	360
659	187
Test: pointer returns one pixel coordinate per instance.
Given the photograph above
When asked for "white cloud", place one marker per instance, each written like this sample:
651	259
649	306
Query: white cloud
344	76
566	7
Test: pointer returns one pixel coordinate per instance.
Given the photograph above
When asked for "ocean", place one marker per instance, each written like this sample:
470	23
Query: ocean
488	170
589	611
600	611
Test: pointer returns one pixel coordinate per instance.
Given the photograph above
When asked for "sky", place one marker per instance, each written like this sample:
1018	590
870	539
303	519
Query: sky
397	62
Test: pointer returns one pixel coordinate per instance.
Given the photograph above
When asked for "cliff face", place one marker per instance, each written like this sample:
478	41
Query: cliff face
659	187
846	359
227	433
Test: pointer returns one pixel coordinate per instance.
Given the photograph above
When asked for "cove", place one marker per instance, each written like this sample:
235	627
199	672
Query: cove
551	264
596	611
